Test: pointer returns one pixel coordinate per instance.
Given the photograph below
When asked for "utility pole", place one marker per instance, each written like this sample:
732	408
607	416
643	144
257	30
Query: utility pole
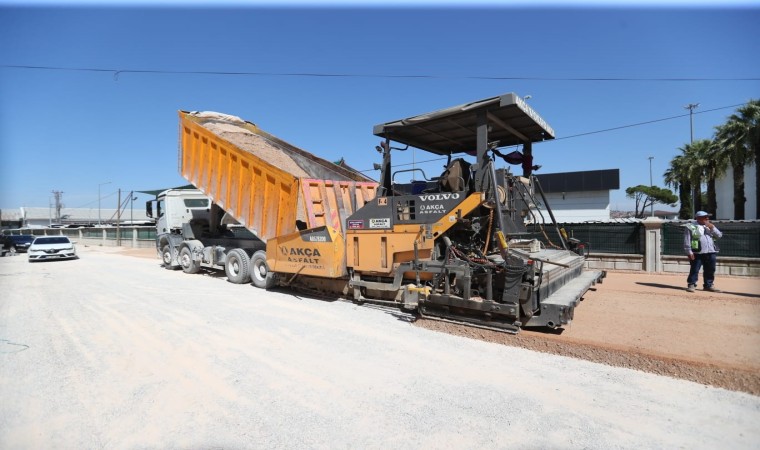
651	184
118	220
100	184
691	107
695	190
58	205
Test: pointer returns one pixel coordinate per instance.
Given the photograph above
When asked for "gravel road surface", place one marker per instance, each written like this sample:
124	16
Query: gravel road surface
112	351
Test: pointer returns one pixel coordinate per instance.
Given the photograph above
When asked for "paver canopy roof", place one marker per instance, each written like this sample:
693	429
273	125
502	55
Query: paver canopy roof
454	130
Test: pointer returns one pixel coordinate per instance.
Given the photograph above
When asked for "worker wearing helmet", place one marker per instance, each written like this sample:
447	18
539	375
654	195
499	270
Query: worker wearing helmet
702	250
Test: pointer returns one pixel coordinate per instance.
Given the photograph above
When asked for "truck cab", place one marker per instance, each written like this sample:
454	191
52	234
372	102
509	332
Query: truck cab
174	207
193	232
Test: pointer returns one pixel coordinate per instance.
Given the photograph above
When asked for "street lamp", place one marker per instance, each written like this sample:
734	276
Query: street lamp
101	184
651	184
132	198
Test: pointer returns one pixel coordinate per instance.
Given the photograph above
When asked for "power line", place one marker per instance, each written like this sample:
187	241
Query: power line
117	72
642	123
96	200
598	131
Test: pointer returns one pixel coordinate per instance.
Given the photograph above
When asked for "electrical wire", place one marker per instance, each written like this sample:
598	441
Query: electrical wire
117	72
642	123
597	131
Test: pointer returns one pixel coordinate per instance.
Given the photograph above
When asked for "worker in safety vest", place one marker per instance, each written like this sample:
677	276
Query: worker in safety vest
702	250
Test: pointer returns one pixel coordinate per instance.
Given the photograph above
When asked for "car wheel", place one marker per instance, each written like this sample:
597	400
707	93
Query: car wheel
189	265
166	256
261	277
12	251
237	266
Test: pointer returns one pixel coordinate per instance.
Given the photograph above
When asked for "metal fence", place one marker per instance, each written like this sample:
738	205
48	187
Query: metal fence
622	238
142	233
740	239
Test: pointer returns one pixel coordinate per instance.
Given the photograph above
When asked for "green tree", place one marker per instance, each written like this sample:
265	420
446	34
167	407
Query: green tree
695	161
716	163
677	177
739	140
648	196
705	163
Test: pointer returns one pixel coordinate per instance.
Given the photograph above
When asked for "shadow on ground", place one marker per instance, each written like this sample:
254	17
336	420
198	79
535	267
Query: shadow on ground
680	288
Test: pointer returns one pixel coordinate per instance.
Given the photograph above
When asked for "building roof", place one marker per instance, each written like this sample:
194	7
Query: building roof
590	180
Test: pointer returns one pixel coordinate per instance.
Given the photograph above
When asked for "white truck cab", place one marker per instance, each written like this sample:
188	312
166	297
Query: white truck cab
175	207
192	232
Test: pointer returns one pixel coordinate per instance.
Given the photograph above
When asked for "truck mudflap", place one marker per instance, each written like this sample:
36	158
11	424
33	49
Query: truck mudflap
557	310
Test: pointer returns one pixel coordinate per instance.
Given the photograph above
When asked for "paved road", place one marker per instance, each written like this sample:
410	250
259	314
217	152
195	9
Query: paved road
111	351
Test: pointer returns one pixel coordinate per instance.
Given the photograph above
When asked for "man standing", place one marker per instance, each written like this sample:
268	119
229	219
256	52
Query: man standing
699	244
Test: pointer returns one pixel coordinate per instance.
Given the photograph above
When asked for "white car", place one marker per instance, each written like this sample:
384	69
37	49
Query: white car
51	247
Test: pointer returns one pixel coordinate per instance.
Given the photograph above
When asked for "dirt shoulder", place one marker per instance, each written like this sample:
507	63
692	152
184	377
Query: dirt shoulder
649	322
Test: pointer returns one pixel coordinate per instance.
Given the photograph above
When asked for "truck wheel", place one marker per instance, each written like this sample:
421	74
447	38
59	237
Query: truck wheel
237	266
189	265
260	275
166	257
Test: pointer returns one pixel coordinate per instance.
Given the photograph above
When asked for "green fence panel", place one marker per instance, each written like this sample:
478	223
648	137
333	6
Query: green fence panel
622	238
146	234
740	239
672	238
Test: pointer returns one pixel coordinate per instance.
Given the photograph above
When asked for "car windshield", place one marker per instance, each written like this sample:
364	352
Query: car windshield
22	238
52	240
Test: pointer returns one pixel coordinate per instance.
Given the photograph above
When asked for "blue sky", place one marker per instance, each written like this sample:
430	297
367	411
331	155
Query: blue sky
72	130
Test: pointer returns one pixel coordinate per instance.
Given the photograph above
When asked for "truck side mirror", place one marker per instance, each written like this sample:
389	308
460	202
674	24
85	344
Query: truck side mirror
149	208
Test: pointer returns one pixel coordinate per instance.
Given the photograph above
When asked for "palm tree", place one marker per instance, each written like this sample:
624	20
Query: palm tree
686	173
717	163
739	139
706	164
677	177
752	110
695	159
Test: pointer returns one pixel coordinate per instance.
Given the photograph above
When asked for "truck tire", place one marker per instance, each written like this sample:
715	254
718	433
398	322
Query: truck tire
237	266
166	257
260	275
189	265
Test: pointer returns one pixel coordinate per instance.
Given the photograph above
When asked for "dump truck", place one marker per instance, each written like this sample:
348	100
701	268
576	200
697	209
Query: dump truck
258	187
452	247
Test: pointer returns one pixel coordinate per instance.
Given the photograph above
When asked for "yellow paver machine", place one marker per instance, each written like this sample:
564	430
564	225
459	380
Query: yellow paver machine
453	247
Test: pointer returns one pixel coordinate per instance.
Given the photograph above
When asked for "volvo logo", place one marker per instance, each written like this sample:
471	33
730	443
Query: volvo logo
445	196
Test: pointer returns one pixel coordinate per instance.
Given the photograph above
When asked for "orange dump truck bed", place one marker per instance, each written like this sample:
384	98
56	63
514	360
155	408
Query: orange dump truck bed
263	182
